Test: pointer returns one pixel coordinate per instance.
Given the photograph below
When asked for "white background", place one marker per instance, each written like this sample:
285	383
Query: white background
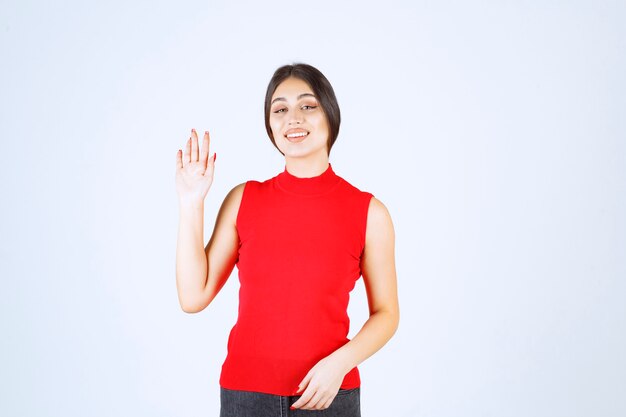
494	132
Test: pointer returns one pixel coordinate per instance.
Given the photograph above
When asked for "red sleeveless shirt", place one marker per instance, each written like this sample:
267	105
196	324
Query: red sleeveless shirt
301	241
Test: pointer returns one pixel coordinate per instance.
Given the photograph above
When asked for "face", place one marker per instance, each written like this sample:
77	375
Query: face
297	120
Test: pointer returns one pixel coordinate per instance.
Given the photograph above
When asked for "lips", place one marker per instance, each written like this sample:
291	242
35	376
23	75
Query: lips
296	130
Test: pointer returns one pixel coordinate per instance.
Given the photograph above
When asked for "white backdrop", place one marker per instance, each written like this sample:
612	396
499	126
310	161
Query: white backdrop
492	131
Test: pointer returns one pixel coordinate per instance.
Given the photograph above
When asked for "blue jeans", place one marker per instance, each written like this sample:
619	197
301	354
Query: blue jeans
235	403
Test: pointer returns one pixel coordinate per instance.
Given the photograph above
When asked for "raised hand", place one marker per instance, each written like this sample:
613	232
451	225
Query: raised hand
194	170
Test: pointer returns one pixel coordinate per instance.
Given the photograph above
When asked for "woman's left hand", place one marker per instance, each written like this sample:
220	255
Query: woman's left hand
321	384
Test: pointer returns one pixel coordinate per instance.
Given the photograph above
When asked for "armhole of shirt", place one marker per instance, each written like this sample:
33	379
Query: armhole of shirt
241	204
368	199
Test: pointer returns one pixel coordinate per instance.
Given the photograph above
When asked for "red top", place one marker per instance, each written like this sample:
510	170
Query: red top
301	241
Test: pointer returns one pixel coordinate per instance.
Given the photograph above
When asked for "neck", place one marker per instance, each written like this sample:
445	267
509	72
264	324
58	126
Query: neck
306	168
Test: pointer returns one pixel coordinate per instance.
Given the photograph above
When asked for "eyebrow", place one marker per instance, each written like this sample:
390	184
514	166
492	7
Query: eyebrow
299	97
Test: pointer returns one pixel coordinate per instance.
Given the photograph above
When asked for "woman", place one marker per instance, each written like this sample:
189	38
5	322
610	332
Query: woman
300	241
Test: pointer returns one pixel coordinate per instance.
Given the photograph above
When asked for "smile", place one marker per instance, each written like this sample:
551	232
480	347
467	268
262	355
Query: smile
297	134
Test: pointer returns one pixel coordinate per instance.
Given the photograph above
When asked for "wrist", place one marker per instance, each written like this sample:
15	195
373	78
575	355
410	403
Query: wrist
190	204
344	359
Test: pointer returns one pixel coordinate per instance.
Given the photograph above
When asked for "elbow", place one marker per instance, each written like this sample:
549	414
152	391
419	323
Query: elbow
391	317
192	301
189	309
394	320
397	323
192	307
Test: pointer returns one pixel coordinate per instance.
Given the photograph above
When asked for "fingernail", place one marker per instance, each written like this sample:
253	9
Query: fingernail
214	156
193	130
292	408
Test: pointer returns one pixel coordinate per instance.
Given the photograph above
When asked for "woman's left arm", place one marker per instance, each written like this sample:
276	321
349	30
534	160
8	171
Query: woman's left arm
378	268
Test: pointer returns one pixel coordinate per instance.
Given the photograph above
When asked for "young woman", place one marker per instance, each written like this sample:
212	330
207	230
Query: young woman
300	241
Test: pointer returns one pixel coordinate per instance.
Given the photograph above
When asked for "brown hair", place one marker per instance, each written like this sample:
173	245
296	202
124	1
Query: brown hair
321	88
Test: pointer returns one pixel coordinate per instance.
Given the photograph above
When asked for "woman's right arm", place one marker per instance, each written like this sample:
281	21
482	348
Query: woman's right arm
202	272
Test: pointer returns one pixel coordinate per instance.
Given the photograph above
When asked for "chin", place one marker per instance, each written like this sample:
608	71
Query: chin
304	153
311	145
296	153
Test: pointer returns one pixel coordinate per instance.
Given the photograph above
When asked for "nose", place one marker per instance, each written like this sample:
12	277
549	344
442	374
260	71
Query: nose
296	117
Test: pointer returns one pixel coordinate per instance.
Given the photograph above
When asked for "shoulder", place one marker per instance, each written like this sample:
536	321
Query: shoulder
377	210
236	192
379	221
232	201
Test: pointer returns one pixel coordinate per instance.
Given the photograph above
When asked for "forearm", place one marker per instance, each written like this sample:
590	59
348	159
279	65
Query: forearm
374	334
191	262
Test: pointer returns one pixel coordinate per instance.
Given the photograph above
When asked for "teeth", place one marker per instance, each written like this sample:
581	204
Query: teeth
297	135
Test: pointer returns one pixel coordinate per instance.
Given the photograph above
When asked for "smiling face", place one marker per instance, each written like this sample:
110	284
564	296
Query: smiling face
297	120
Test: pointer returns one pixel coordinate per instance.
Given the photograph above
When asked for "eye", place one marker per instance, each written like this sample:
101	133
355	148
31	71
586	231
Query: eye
311	107
279	110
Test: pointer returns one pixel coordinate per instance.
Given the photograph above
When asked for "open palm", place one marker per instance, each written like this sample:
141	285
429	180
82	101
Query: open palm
194	170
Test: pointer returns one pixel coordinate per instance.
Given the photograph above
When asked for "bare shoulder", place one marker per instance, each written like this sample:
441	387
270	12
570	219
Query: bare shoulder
378	220
232	201
236	193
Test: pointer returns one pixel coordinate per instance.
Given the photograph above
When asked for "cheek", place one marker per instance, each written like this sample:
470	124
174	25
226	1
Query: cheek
274	125
320	119
321	123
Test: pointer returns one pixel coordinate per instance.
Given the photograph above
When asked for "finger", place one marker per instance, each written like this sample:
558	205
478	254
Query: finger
304	399
179	159
194	145
210	169
204	153
302	386
328	403
301	401
317	401
313	401
187	157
